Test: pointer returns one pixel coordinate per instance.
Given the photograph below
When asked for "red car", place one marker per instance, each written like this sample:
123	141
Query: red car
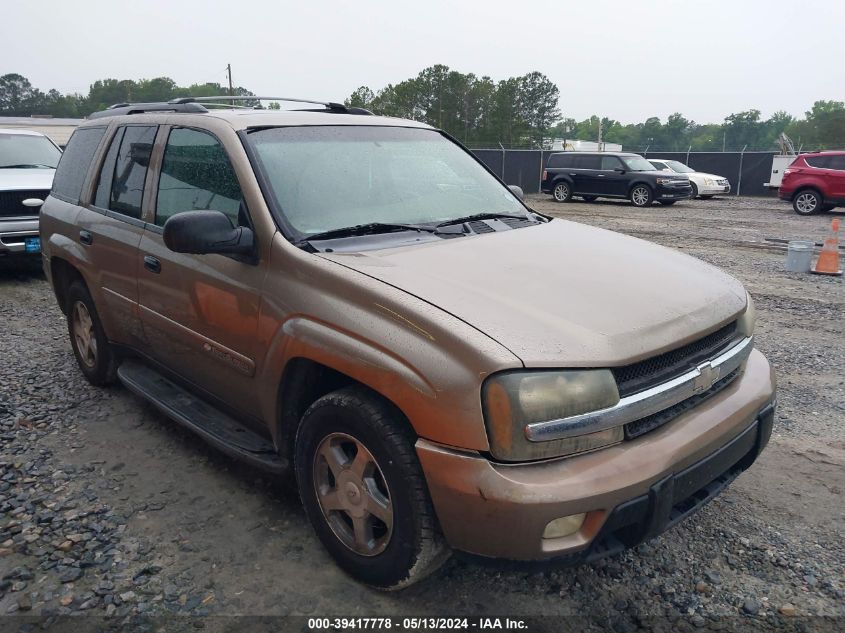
814	182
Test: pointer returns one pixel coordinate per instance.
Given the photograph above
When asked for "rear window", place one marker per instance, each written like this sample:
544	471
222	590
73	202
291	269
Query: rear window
73	166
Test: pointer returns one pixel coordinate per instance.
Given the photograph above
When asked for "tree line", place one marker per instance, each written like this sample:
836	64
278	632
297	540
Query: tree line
518	112
18	97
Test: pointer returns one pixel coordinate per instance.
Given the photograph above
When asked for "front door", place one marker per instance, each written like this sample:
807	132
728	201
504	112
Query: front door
613	182
200	312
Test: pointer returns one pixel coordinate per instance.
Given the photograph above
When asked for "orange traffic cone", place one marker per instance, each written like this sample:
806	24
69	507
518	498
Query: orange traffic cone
828	263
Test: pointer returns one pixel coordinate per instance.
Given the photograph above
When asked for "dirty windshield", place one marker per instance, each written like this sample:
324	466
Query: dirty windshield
331	177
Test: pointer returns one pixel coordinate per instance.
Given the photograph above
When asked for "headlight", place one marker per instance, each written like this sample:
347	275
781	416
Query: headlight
513	400
709	181
745	323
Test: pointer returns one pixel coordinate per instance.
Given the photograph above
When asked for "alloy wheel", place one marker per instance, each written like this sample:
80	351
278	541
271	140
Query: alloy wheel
353	494
561	192
640	196
806	203
83	334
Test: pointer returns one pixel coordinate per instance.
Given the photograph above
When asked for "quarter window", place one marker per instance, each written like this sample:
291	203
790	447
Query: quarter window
73	166
820	162
196	175
124	172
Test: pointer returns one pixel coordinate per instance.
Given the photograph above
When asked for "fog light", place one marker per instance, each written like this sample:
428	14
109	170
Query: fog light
564	526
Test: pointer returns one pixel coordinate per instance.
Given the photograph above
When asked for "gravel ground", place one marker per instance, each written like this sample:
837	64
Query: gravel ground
108	509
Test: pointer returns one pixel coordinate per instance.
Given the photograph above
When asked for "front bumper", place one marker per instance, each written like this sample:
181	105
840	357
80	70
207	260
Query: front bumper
13	234
630	492
714	190
673	193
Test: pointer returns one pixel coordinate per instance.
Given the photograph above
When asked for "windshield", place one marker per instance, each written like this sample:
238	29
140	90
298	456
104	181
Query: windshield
331	177
637	163
679	167
23	150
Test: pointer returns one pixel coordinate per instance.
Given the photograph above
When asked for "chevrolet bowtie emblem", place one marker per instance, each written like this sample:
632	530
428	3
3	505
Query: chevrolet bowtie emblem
707	376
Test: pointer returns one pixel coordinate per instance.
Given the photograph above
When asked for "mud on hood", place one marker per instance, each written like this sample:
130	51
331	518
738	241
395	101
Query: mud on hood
563	294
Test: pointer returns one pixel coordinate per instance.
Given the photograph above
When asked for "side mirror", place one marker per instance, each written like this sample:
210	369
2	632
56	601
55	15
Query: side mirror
517	191
205	232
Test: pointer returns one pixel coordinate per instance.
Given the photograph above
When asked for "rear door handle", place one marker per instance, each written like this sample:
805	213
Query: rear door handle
152	264
85	237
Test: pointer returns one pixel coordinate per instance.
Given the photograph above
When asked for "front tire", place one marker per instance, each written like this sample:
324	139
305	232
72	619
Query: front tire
807	202
94	354
562	192
641	196
364	490
706	197
694	191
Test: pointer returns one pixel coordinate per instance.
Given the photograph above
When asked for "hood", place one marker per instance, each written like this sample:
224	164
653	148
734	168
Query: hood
23	178
706	175
562	293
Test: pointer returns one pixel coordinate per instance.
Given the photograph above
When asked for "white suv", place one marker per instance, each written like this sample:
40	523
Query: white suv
27	163
704	185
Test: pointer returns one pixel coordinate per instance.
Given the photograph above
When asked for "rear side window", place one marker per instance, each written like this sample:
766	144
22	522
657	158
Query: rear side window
587	162
124	172
820	162
837	162
560	160
196	175
73	166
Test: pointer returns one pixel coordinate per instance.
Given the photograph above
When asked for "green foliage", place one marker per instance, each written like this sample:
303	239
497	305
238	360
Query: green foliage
478	111
19	98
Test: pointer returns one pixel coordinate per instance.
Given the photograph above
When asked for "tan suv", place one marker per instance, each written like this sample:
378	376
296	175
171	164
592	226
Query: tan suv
358	300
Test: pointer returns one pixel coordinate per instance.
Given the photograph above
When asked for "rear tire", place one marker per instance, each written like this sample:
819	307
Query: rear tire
807	202
364	490
562	191
641	196
94	354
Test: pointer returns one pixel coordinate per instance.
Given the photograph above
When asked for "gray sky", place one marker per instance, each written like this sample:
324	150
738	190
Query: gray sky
624	59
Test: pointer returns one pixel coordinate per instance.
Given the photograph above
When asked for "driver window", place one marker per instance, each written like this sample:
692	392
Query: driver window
196	175
609	163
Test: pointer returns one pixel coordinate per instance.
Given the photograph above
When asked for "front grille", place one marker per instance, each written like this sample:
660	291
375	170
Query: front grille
658	369
11	202
651	422
722	181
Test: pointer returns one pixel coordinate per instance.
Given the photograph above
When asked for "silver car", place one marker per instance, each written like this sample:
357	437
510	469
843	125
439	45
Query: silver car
27	163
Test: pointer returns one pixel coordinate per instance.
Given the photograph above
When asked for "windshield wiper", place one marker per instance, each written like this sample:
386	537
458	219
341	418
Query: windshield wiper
371	228
479	216
25	166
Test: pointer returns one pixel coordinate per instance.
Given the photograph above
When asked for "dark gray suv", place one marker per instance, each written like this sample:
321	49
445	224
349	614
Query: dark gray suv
612	175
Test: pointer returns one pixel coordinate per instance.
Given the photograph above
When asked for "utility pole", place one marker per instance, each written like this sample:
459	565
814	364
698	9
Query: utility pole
724	137
229	72
599	143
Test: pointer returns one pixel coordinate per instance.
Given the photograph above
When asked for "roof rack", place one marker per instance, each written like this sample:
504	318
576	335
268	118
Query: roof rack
140	108
197	105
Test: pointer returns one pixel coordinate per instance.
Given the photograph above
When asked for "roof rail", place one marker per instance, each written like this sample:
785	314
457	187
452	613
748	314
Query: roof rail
195	105
331	106
140	108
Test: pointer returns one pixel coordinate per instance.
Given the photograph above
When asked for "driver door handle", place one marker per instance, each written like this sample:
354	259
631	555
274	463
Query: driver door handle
152	264
85	237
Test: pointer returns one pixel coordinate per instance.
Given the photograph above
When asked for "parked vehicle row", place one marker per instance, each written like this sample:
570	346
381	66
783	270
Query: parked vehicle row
814	182
27	163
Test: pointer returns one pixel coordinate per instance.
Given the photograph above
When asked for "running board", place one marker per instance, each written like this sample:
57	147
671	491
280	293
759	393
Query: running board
215	427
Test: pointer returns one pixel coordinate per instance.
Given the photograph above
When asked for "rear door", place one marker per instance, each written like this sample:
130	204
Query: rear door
836	175
585	174
200	312
110	229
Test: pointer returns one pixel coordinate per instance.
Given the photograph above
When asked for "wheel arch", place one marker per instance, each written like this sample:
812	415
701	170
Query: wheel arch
808	187
62	274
